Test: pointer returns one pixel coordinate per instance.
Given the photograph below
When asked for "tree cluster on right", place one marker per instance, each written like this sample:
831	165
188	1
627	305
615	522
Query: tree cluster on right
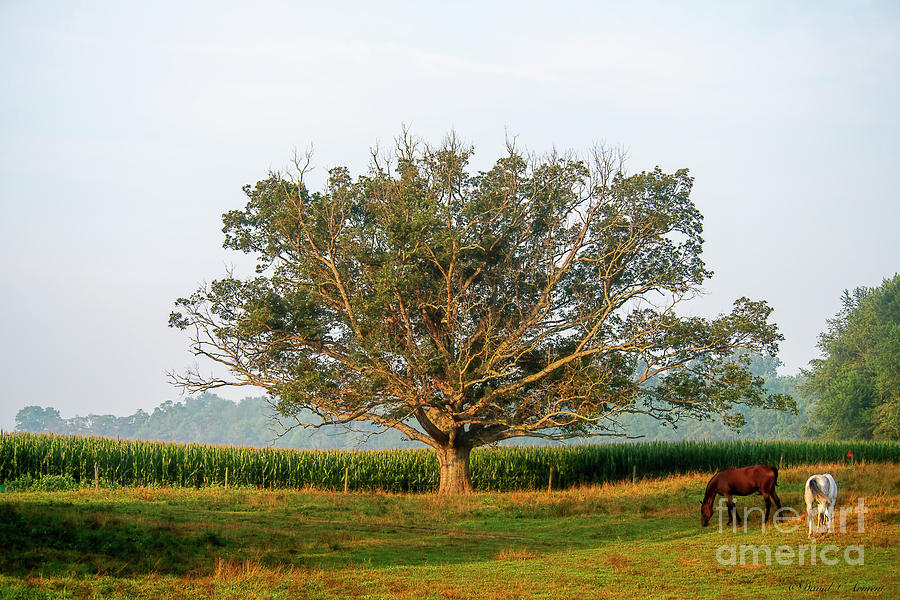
857	381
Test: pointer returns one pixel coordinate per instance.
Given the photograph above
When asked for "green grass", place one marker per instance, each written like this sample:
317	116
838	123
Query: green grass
610	541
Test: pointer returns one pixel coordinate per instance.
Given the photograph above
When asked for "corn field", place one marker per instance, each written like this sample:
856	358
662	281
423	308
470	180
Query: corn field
140	463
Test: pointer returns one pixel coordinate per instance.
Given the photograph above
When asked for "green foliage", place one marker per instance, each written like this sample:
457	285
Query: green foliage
535	299
857	381
37	419
45	483
55	459
759	423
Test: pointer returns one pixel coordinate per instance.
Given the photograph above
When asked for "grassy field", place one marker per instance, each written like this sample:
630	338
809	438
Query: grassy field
610	541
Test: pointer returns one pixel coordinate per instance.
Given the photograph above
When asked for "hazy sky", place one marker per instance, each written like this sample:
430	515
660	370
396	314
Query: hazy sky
125	132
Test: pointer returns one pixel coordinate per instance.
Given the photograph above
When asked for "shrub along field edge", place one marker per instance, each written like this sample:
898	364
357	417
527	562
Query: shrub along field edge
27	456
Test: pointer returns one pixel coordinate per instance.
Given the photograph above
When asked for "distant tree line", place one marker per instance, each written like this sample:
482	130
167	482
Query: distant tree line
210	419
759	424
207	419
852	392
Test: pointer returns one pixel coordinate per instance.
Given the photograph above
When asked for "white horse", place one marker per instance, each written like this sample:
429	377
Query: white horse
820	492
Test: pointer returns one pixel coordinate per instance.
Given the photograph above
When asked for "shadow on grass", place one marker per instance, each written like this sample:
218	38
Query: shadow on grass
64	539
54	539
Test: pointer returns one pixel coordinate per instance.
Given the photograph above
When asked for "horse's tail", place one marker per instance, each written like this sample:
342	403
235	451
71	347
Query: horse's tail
817	492
774	476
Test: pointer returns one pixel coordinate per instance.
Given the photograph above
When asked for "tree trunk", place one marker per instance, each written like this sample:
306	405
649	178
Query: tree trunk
455	470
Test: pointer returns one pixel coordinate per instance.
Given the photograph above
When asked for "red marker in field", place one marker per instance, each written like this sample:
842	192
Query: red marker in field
849	453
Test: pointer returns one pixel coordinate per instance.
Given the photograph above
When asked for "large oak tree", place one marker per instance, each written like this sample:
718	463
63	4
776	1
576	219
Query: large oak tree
536	299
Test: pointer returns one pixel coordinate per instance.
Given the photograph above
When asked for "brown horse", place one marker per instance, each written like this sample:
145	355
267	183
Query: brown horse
740	482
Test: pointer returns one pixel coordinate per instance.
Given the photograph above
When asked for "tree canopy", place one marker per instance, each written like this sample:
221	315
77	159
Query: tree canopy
759	422
37	419
538	298
858	379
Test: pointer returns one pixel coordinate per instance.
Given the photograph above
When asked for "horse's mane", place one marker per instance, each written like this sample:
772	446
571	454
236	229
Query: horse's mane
710	490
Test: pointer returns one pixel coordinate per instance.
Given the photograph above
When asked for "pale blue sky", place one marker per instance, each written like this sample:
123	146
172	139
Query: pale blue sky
125	132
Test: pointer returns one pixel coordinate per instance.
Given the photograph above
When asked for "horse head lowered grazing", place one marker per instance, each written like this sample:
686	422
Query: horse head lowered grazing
820	493
740	482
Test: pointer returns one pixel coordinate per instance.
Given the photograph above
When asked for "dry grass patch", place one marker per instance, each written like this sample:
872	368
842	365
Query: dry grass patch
516	554
232	570
617	561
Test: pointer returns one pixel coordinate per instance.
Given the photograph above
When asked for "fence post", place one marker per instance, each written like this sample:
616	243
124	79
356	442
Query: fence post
550	482
96	477
226	478
633	474
346	479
